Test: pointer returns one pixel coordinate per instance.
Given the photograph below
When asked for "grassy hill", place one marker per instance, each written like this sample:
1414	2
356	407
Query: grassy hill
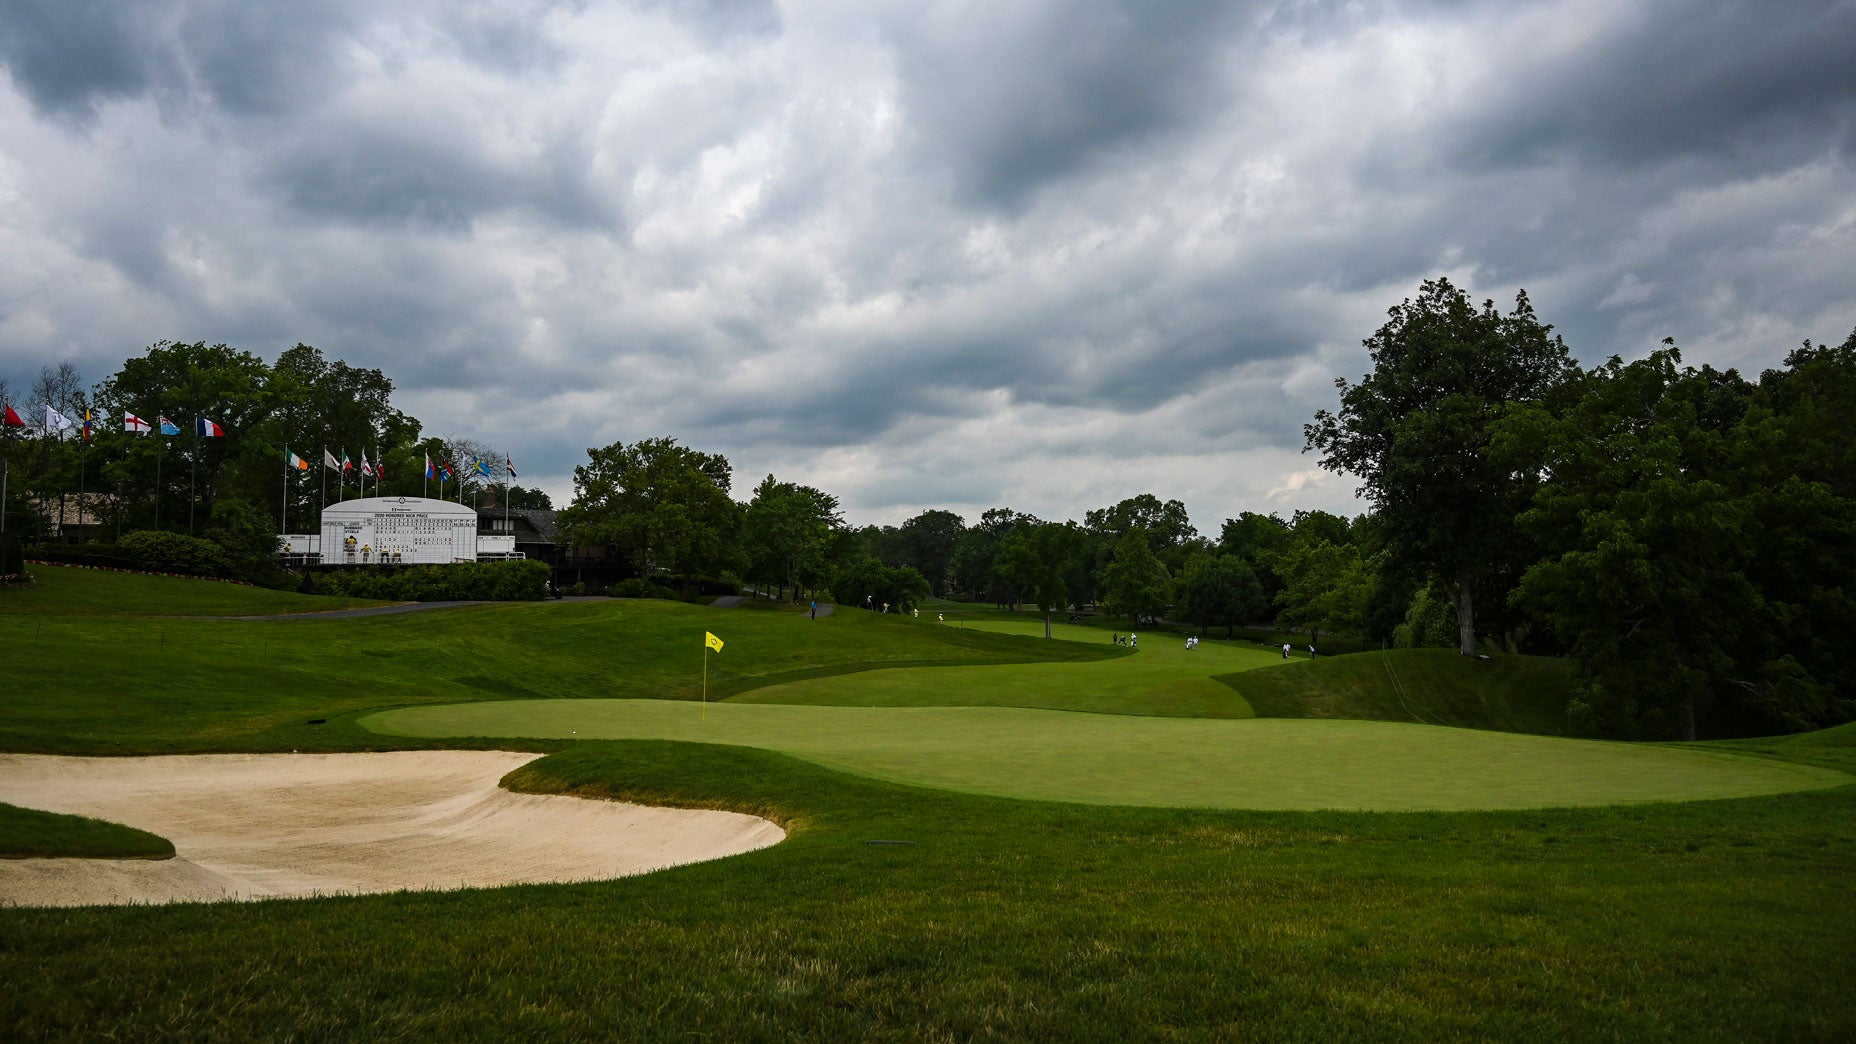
999	918
75	591
1508	693
82	679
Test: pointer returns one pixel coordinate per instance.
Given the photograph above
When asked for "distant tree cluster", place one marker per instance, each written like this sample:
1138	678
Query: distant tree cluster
1686	536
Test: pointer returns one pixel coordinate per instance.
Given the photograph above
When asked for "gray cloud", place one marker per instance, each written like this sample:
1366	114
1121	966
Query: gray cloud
946	255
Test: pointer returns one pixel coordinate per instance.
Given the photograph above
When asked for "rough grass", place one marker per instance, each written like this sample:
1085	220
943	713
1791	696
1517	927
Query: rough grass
1509	693
27	833
1708	921
1711	921
162	685
75	591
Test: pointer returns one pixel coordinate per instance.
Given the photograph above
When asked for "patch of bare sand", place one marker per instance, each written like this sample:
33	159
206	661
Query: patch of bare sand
255	825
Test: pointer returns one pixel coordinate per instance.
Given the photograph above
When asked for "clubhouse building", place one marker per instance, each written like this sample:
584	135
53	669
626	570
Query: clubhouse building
417	531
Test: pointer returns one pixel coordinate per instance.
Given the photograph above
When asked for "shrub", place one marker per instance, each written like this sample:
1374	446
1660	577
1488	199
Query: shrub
638	587
525	581
172	553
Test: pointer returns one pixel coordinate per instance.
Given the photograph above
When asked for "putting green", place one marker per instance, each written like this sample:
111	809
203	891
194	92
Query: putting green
1182	762
1162	677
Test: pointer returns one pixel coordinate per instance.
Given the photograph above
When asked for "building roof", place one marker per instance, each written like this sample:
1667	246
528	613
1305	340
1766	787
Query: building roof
538	519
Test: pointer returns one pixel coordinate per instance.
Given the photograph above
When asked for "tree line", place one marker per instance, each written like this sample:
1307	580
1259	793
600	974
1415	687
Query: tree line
234	487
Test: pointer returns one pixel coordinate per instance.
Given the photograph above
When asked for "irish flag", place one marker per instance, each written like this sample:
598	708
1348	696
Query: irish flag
295	461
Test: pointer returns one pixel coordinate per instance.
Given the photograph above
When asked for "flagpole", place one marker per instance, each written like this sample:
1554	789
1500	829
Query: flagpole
193	469
283	514
162	438
705	681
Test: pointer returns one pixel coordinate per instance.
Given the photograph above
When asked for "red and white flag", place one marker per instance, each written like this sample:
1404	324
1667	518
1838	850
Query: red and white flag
130	422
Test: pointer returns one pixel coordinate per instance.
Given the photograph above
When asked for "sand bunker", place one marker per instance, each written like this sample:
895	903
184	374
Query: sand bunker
248	826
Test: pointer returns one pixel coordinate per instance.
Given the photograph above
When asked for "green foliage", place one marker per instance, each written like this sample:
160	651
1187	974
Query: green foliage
1135	583
1220	590
12	556
521	581
1325	587
1697	561
172	553
1417	432
639	587
1430	623
656	503
928	542
786	534
870	583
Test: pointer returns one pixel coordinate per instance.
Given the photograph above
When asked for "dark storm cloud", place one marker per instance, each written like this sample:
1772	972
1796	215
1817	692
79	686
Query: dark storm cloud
1041	254
1024	95
1753	85
66	55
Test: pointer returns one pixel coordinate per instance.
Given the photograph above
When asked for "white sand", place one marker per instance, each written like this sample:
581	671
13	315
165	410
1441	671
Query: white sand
254	825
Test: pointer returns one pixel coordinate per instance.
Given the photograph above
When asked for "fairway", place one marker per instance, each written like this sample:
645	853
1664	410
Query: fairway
1112	759
1162	677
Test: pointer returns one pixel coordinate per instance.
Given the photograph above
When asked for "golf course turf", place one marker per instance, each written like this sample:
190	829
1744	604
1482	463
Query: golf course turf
999	918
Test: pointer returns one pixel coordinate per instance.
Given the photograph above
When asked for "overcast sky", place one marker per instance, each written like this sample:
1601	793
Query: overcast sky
920	255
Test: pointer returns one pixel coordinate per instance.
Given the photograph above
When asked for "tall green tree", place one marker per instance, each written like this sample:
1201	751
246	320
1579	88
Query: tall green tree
656	503
786	532
928	542
1697	530
1220	591
1325	588
1135	583
1417	431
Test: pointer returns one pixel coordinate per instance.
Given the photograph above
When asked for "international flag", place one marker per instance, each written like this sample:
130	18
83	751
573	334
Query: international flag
712	641
509	466
55	421
130	422
12	419
444	472
347	465
380	471
483	467
168	427
329	461
366	468
428	466
86	424
294	461
207	429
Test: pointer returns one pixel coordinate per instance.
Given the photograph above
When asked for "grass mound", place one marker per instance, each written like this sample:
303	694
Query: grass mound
74	591
27	833
168	685
1113	759
1424	686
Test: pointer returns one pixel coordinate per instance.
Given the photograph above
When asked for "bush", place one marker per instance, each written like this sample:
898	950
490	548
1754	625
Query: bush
638	587
525	581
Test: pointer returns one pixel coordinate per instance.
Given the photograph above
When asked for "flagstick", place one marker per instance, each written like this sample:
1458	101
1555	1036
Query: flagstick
705	682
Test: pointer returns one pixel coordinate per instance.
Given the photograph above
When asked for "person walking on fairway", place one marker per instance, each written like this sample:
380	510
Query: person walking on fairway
1285	650
814	610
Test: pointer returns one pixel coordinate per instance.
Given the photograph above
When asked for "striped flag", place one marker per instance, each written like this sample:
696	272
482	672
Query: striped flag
207	428
294	461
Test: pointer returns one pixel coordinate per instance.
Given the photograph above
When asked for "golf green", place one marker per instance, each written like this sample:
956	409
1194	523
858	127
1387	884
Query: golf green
1117	759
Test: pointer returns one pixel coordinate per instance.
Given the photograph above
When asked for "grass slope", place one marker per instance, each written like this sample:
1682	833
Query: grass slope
1721	920
84	683
1162	677
1711	921
28	833
1429	686
72	591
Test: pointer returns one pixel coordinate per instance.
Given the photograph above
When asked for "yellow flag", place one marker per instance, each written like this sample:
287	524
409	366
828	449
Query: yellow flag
712	641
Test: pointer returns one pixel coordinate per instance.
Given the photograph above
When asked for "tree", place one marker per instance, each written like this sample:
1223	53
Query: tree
868	582
1035	560
660	504
1696	529
1325	587
786	533
1417	429
928	542
1220	590
1135	583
